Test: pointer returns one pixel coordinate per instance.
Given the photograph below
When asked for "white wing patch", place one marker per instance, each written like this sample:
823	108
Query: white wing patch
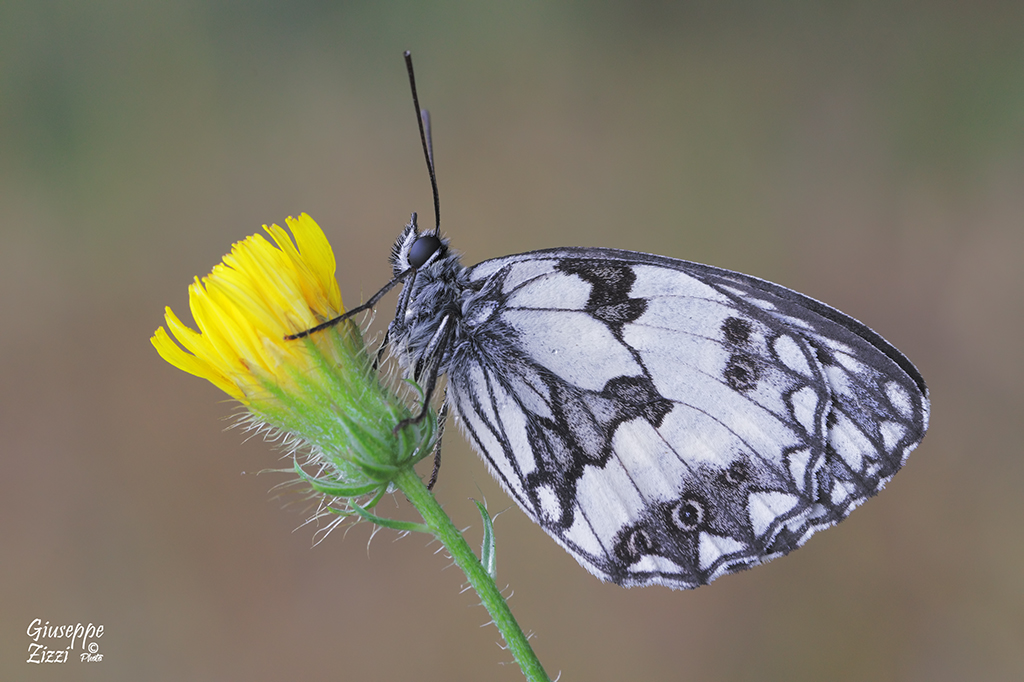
549	505
526	271
713	547
574	346
792	355
804	404
553	292
764	508
900	399
892	433
653	282
607	497
653	466
580	539
799	461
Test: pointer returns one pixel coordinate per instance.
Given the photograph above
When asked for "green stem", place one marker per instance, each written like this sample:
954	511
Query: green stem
444	530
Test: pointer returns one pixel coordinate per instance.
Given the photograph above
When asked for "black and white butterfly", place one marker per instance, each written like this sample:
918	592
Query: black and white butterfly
666	422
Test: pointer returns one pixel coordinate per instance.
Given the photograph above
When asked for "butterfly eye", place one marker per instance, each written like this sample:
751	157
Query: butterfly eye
422	249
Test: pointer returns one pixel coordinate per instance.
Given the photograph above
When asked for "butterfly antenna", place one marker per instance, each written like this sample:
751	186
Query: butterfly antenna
423	119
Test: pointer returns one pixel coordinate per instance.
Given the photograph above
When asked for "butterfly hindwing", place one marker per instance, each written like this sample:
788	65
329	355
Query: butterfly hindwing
669	422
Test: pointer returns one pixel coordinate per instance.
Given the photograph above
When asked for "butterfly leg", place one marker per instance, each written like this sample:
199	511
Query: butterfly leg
435	351
442	417
351	313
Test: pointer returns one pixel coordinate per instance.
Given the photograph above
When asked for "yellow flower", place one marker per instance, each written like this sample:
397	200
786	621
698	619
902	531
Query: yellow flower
321	389
247	305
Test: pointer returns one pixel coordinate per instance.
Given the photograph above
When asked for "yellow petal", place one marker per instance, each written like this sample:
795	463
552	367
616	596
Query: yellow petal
248	303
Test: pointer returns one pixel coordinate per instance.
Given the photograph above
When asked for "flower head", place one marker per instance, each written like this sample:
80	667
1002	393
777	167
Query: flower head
320	389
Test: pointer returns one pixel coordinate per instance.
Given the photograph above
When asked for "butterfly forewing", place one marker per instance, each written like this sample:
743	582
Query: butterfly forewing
669	422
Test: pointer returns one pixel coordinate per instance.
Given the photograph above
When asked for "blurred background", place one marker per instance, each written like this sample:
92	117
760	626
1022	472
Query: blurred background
868	154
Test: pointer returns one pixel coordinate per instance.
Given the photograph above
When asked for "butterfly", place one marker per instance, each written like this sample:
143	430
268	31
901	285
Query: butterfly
666	422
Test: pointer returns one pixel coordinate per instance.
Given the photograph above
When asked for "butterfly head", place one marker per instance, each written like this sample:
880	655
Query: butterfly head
415	249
